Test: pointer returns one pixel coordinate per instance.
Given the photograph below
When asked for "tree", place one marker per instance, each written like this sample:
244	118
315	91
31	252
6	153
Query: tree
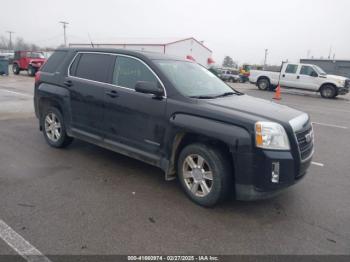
228	62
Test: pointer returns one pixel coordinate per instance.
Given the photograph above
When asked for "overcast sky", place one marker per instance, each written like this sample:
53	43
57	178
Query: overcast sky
290	29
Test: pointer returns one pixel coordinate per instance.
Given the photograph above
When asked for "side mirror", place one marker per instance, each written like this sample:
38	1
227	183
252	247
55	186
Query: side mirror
314	74
149	88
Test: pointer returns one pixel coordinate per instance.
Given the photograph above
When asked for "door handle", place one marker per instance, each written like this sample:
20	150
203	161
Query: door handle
283	75
68	83
112	93
298	77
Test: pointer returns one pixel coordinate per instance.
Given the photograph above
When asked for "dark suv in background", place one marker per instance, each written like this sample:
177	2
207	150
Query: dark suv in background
176	115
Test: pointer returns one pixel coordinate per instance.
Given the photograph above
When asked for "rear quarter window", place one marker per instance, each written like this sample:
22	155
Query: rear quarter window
54	61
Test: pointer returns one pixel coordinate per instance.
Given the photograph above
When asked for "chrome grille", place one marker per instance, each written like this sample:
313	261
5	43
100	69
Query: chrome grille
305	141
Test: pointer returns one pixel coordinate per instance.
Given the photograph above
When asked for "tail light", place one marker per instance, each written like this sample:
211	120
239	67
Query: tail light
37	77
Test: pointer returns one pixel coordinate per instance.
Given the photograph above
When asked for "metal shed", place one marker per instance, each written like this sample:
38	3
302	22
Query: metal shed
189	48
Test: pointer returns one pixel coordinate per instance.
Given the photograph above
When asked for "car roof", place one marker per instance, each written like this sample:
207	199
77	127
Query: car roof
139	54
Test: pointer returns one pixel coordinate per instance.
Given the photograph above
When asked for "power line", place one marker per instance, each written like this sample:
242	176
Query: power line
64	31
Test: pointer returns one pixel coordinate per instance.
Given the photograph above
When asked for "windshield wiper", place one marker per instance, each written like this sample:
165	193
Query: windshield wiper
203	97
227	94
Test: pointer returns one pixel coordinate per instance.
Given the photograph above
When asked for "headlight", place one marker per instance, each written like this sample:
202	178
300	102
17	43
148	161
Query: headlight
341	82
270	135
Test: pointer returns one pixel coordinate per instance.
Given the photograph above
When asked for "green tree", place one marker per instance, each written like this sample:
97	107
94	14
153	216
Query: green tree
228	62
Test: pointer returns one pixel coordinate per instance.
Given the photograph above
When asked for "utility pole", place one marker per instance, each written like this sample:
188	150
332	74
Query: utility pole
266	50
10	43
64	31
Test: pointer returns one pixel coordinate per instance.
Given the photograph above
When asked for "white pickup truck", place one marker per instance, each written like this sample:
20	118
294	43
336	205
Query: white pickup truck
301	76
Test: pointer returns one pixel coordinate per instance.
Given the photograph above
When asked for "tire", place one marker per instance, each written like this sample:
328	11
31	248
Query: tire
15	69
52	121
328	91
31	70
202	187
263	84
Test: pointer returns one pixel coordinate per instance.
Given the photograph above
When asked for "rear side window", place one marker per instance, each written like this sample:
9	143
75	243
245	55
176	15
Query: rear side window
128	71
96	67
54	61
291	69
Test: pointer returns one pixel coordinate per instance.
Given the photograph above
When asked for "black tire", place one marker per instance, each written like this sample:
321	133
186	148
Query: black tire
31	70
15	69
263	84
218	163
328	91
63	140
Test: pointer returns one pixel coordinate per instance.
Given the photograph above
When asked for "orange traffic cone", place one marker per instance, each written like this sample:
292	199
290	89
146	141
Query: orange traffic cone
278	93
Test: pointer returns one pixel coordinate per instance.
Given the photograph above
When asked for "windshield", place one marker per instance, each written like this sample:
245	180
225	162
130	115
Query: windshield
36	55
193	80
319	70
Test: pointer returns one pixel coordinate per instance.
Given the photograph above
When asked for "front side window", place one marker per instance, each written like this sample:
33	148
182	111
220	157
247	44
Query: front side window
291	69
307	70
94	66
128	71
193	80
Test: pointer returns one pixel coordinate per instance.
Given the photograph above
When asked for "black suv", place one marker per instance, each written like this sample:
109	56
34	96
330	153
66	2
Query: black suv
176	115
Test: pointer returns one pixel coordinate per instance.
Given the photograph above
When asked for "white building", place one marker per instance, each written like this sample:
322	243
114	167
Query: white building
189	48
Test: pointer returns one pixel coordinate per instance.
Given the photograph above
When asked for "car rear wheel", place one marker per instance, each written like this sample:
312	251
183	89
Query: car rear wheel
205	174
15	69
54	128
328	91
263	84
31	70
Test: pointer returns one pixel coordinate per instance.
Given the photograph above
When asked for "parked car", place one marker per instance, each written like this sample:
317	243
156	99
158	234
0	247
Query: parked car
229	75
30	61
302	76
176	115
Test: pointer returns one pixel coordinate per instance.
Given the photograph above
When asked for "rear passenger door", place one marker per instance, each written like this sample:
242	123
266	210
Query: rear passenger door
89	75
134	119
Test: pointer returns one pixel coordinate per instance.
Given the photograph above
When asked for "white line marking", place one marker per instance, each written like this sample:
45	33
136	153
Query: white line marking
20	245
17	93
330	125
317	164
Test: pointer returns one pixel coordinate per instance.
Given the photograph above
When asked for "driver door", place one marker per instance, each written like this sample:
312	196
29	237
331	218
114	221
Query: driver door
308	78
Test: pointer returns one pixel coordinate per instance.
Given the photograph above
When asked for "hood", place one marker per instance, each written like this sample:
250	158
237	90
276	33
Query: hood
336	78
255	109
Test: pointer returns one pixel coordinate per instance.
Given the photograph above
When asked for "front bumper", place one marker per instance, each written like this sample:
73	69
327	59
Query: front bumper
254	173
343	90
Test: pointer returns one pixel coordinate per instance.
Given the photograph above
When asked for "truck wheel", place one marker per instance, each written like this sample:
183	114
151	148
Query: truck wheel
263	84
31	71
54	129
205	174
15	69
328	91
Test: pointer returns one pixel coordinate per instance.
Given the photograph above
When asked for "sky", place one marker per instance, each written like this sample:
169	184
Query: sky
289	29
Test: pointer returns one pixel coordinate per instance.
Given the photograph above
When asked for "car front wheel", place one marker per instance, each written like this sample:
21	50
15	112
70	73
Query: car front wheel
328	91
205	174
